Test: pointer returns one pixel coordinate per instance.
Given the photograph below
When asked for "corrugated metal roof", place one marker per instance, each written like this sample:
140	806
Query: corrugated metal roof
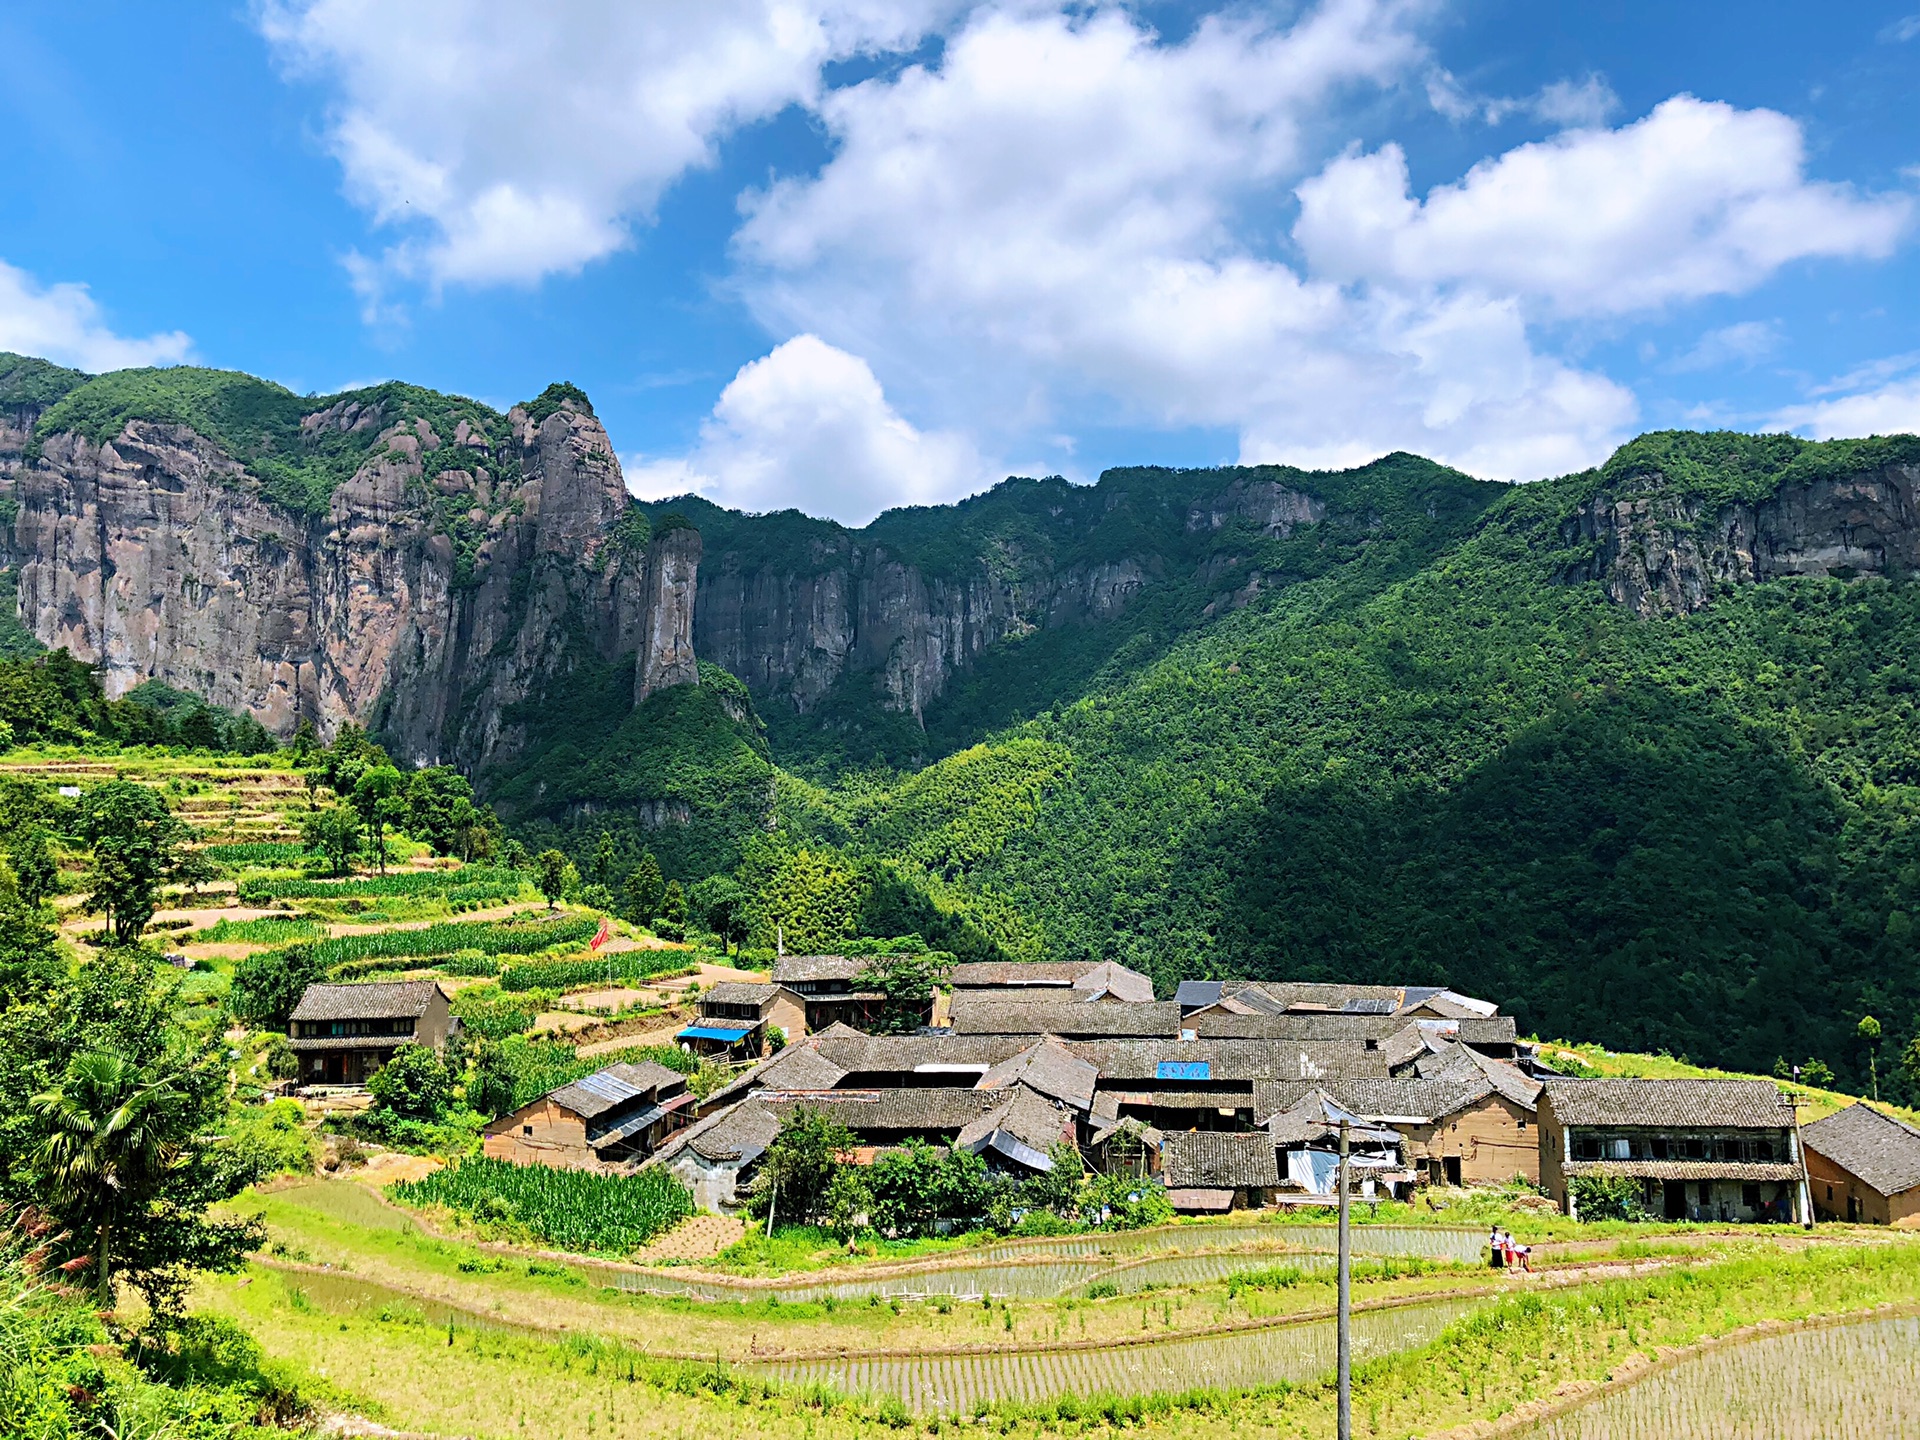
732	1035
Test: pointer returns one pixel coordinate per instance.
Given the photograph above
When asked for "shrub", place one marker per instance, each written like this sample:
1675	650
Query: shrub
413	1085
1608	1197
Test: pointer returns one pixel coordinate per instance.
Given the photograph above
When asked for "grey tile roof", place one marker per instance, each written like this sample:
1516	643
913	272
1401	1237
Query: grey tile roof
372	1000
1116	982
1211	1159
1488	1030
905	1054
1192	994
739	1135
1048	1068
1879	1149
592	1096
1232	1061
1404	1046
1684	1169
867	1111
1407	1100
1316	1117
1228	1025
1052	974
1718	1104
816	967
741	992
1027	1116
349	1042
995	1016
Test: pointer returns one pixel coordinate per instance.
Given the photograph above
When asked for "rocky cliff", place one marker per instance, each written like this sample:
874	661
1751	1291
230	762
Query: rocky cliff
448	580
845	625
1658	547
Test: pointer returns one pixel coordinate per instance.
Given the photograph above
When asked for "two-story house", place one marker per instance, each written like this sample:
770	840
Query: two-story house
737	1017
830	988
1713	1150
342	1034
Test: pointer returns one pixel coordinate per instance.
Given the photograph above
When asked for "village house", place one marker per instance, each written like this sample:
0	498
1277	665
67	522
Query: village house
342	1034
1069	980
602	1121
717	1157
1306	1142
1864	1166
1714	1150
1300	997
737	1020
829	990
1210	1172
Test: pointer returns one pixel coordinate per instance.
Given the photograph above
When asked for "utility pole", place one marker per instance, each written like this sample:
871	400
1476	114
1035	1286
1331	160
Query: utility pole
1343	1341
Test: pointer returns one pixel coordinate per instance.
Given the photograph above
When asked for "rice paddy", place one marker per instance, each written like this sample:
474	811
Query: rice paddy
1827	1382
1291	1353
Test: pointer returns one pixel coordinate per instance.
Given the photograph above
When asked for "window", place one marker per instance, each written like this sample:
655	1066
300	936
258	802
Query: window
1750	1196
1615	1147
526	1129
1523	1122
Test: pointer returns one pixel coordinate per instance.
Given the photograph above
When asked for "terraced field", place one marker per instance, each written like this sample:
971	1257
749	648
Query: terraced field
1291	1353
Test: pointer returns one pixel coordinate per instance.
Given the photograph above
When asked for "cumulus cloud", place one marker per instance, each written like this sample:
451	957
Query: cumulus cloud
1697	199
1881	398
809	426
63	323
505	147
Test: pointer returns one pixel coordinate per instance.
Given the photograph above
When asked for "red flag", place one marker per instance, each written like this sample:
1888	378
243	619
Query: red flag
601	936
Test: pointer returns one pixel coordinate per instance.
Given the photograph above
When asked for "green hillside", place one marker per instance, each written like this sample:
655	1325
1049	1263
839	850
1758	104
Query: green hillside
1685	833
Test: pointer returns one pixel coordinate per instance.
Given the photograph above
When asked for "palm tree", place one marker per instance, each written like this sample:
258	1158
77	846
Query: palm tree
114	1136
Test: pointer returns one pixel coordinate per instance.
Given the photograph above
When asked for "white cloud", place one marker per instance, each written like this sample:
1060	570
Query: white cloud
1567	103
63	323
809	426
1744	343
506	144
1697	199
1890	405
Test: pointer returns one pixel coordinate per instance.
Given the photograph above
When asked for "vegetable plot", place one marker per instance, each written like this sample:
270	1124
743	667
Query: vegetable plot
569	1209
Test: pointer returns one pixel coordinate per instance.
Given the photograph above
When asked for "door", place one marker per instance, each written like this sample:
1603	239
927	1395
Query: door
1452	1164
1676	1199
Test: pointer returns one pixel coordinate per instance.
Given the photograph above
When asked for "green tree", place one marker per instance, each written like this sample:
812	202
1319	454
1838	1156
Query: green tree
122	1166
1869	1033
413	1085
672	924
137	846
439	806
720	903
33	864
380	801
1817	1073
908	982
846	1202
332	832
200	730
603	860
30	963
799	1165
646	888
268	984
550	874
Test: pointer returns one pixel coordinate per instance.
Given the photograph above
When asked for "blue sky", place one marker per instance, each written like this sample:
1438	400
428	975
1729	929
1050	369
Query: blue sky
844	254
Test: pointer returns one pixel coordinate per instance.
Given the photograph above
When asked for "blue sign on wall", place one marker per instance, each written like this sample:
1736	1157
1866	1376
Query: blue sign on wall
1182	1070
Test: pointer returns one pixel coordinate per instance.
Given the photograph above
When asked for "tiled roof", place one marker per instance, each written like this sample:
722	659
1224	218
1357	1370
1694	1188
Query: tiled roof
1223	1024
1720	1104
1316	1117
1684	1169
1192	994
741	992
592	1096
740	1134
1231	1061
993	1016
864	1111
1116	982
816	967
349	1042
1404	1046
1881	1150
1488	1030
373	1000
1463	1062
1052	974
1211	1159
1048	1068
1027	1116
906	1054
1403	1100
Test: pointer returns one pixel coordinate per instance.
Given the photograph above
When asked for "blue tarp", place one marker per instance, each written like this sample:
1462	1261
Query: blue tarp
715	1032
1182	1070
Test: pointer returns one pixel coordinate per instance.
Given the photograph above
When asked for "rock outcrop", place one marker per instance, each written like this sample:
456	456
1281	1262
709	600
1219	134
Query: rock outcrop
1658	550
425	606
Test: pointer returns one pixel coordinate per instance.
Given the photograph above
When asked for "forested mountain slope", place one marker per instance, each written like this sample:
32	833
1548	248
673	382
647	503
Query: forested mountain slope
1638	757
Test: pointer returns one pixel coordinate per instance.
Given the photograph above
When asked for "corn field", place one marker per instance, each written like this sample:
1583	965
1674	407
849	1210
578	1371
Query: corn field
449	937
257	852
1833	1382
474	884
1301	1351
567	974
269	930
569	1209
